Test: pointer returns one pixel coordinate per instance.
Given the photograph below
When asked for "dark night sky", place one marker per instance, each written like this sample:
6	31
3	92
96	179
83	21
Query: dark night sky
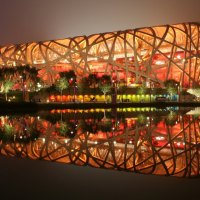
37	20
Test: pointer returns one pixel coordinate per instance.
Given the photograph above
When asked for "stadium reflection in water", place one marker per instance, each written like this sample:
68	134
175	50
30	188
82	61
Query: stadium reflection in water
141	140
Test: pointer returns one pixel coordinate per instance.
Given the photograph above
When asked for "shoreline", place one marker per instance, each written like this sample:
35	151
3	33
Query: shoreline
30	106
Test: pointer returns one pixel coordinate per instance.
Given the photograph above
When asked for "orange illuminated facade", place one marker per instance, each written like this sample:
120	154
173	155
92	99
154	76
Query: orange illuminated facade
151	55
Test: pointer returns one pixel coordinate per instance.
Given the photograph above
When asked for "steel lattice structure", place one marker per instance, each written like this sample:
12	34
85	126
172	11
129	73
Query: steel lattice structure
150	149
153	54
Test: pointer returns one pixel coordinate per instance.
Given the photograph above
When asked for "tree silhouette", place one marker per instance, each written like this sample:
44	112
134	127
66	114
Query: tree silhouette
93	80
171	86
62	84
105	88
83	86
6	87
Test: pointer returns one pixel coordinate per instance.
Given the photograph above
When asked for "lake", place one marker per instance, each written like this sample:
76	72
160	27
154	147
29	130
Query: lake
140	140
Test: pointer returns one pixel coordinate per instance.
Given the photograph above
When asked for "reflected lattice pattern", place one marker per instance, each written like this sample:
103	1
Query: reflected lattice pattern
152	54
168	146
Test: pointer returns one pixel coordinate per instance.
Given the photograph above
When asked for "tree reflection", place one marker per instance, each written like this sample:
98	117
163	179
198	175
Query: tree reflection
138	143
171	118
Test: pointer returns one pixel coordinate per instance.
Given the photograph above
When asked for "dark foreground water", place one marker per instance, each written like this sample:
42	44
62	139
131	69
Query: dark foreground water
140	140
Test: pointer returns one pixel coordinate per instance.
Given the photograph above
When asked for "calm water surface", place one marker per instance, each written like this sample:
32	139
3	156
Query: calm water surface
141	140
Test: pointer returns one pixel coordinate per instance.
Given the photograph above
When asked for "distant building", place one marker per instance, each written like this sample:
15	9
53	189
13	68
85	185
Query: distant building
146	55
